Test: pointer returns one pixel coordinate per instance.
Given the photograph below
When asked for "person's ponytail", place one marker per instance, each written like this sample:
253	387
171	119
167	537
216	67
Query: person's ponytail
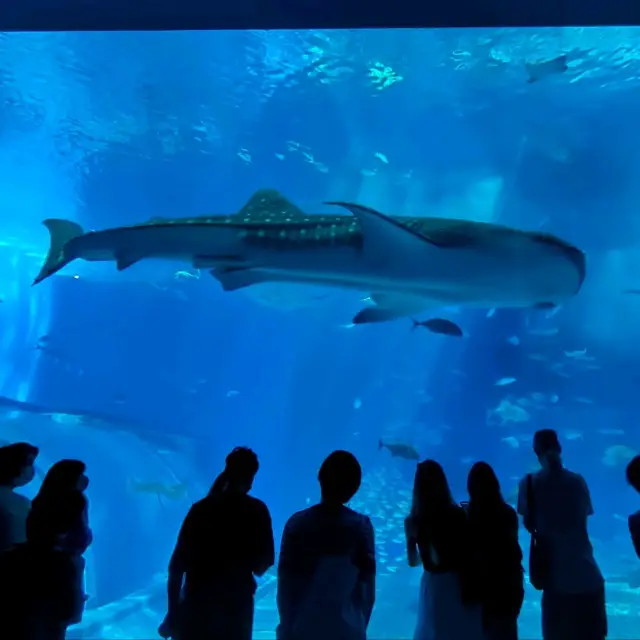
220	485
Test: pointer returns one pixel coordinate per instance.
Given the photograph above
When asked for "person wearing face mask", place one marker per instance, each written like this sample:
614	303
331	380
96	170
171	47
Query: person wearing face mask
17	469
555	504
42	579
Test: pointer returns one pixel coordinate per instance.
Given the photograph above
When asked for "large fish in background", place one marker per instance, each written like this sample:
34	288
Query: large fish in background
406	264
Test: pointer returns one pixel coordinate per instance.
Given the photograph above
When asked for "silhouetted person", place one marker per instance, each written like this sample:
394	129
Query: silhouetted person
497	553
633	478
555	504
438	538
327	568
59	513
49	595
16	470
226	539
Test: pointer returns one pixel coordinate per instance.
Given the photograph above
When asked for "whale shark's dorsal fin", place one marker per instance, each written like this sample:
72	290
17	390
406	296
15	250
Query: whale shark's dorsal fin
269	205
386	240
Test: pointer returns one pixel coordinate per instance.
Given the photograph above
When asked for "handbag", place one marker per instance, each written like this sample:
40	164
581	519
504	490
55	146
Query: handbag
539	548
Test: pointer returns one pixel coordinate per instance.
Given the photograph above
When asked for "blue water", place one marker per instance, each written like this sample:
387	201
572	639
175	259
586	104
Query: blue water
152	374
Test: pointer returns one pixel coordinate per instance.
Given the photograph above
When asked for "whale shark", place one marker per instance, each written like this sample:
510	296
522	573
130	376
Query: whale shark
406	265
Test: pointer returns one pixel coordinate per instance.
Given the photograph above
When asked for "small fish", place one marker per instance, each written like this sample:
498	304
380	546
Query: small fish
357	403
400	450
611	432
503	382
633	292
544	68
543	332
232	393
491	313
514	340
441	326
173	492
186	275
511	441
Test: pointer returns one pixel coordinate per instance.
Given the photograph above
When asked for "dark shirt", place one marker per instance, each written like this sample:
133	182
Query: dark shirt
443	540
497	557
227	538
60	520
37	584
444	543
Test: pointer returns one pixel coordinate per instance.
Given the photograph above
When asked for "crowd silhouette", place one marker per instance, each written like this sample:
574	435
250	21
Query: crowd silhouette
472	585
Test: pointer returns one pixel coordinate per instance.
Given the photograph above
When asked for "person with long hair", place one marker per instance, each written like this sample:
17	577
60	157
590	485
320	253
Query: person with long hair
555	504
497	554
327	567
438	538
225	541
59	513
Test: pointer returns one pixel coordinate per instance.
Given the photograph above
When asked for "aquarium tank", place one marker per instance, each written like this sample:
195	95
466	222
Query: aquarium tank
151	371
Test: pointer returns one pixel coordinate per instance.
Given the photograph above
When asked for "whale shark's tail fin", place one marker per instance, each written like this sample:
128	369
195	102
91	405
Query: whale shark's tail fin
61	232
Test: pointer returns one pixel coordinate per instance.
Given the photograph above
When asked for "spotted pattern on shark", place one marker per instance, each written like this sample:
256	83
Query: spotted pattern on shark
273	222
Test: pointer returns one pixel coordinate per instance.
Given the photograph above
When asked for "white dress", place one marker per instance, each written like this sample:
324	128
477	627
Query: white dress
441	614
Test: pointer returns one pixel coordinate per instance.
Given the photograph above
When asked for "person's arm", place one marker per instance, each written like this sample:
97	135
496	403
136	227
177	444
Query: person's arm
411	536
265	553
588	505
85	523
512	522
368	570
523	505
83	532
73	525
178	564
634	530
5	531
512	530
287	582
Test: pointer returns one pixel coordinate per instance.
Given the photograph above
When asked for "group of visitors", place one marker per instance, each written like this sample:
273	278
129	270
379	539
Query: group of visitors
473	579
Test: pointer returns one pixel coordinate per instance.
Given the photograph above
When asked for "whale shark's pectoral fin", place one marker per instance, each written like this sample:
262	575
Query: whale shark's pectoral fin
126	260
391	307
234	278
369	315
386	239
